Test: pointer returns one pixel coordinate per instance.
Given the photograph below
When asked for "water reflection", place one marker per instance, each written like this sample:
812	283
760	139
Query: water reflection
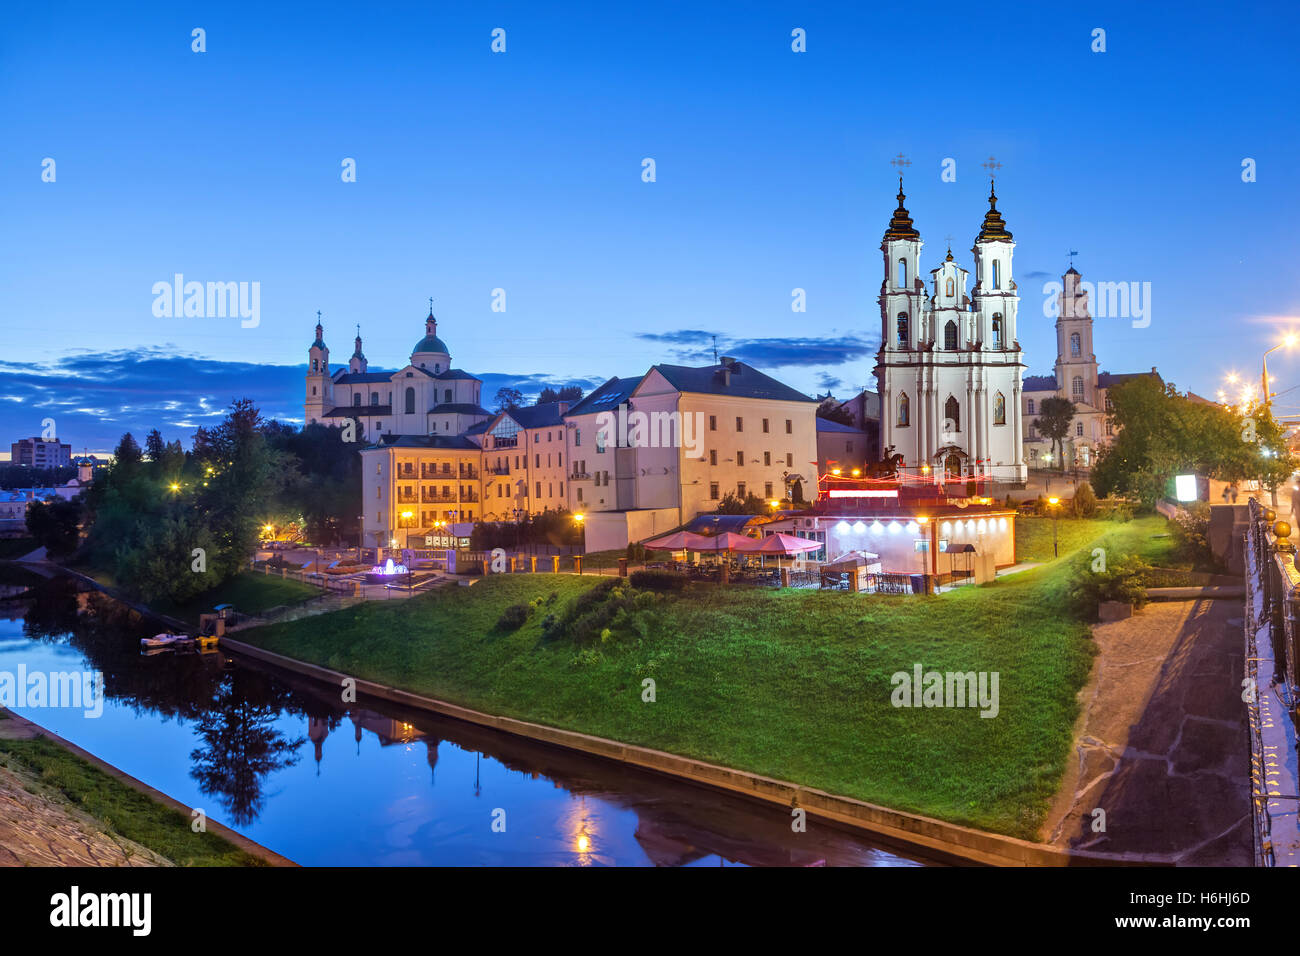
285	762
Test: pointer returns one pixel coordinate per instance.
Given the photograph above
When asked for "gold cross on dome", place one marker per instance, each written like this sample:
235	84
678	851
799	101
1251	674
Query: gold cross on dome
900	161
992	165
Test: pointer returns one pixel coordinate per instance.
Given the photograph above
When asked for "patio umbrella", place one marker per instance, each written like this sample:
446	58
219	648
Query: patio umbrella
727	541
786	544
678	541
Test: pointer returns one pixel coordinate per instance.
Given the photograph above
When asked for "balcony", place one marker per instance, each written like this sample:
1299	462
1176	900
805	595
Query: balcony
497	470
408	499
468	474
432	473
469	497
438	498
579	476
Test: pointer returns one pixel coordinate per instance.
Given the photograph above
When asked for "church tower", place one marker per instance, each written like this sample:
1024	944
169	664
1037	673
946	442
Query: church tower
949	363
358	361
320	397
1076	364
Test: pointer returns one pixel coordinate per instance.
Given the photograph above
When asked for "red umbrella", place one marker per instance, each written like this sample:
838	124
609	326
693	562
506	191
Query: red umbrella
728	541
678	541
786	544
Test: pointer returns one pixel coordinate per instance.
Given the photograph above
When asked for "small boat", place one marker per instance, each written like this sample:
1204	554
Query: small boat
166	640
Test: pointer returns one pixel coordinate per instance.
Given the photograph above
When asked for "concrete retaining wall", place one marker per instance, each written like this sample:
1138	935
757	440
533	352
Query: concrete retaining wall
924	833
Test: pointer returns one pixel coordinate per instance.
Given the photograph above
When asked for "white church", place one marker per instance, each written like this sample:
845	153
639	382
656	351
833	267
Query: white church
949	364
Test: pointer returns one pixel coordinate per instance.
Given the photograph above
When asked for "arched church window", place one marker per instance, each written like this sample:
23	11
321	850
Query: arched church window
902	330
446	395
950	335
1074	345
374	398
315	365
997	274
999	409
949	289
1076	389
1029	408
356	400
410	401
952	412
902	273
904	411
997	330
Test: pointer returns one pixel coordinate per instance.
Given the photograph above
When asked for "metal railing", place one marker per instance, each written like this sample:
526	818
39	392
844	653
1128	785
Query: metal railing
1272	630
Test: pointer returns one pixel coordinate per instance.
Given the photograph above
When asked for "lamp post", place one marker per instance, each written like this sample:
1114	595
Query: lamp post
1055	504
1287	342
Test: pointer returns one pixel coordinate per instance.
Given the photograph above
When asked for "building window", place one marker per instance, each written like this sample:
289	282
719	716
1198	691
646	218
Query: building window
765	426
1074	345
740	489
789	427
577	438
997	330
600	442
767	489
410	401
904	411
999	409
902	273
374	398
950	288
997	274
1078	429
713	490
789	460
950	335
713	423
713	456
740	458
1110	429
1029	408
356	400
740	424
952	412
1109	407
902	330
767	458
580	492
1076	389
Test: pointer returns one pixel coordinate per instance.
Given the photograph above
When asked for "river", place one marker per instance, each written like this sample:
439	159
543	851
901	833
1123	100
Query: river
278	759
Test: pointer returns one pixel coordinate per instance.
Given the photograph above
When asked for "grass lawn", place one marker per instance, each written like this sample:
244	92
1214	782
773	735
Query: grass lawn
119	808
250	592
793	684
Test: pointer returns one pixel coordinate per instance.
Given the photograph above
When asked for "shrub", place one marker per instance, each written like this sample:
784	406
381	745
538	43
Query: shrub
513	617
1084	502
1190	531
653	579
1124	579
607	605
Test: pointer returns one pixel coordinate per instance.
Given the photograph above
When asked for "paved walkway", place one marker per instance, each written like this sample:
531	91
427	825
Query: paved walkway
40	827
1161	742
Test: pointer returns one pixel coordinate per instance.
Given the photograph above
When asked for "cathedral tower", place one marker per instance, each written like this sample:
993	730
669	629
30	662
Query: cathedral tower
319	386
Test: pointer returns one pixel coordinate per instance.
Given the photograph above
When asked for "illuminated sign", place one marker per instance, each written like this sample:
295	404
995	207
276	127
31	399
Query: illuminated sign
1185	487
861	493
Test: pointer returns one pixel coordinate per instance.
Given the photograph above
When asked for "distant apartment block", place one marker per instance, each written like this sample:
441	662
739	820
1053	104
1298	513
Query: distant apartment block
38	453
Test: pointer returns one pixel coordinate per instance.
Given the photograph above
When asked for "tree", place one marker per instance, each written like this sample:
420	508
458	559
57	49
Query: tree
831	410
54	524
751	504
1054	417
509	398
154	446
567	393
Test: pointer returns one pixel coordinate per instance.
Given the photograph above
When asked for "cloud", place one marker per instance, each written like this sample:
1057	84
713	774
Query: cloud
95	397
794	352
1038	275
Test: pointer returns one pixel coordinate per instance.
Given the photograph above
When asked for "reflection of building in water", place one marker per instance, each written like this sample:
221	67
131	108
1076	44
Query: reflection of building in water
317	730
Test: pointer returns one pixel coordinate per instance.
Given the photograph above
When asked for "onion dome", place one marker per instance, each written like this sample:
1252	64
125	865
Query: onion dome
994	228
900	227
430	342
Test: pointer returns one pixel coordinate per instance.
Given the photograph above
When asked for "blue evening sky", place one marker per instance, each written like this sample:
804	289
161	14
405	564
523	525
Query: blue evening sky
522	171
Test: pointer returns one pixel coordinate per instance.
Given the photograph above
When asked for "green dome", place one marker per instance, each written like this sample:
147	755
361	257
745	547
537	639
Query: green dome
430	343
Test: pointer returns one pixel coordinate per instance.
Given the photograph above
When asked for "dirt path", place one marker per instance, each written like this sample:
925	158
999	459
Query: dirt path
1160	745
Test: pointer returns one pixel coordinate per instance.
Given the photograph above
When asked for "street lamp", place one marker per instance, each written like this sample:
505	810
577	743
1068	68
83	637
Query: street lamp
1056	513
1287	342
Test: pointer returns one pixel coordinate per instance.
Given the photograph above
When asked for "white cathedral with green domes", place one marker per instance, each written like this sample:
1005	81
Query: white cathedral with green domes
427	396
